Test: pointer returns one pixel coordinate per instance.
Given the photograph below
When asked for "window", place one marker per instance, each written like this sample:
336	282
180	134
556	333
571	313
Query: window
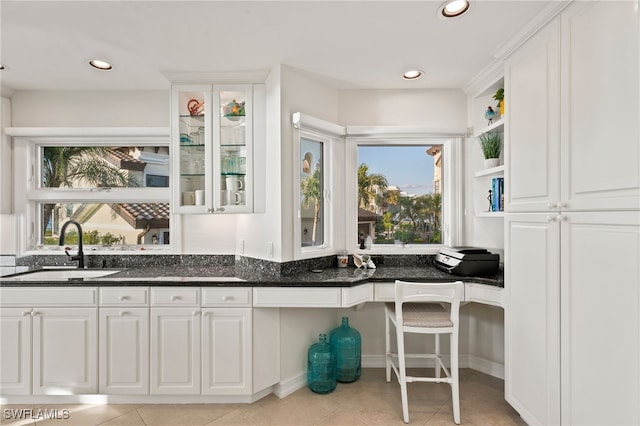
118	191
404	193
318	151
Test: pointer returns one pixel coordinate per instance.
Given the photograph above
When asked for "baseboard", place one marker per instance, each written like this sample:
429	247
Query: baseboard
290	385
485	366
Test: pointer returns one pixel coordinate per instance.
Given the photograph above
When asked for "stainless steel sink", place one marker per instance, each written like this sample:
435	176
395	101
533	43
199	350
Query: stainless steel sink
62	274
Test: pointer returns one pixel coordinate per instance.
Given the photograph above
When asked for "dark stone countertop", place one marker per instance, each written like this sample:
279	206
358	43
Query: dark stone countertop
231	276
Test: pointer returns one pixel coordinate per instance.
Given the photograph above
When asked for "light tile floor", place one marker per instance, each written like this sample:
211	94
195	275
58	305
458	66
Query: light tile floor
370	401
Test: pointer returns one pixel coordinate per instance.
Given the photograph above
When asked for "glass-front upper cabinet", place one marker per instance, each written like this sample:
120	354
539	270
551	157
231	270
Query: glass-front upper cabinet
212	145
233	145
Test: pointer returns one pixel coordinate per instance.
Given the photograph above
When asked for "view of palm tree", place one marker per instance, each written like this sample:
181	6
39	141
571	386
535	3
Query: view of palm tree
401	218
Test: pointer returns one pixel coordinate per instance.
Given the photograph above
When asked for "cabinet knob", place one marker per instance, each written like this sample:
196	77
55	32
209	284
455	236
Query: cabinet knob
552	218
123	313
552	206
563	218
34	313
227	298
26	313
123	298
196	313
175	298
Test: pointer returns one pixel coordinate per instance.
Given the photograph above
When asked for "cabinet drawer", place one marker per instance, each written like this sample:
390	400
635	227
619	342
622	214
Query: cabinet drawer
482	293
124	296
352	296
296	297
226	296
384	292
49	296
175	296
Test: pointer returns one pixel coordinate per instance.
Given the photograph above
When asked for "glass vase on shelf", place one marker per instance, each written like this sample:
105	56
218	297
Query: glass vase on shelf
321	366
346	344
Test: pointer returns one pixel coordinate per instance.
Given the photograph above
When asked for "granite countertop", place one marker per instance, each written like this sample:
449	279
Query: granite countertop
227	276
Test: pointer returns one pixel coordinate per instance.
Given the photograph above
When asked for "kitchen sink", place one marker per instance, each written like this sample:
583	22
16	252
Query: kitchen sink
62	274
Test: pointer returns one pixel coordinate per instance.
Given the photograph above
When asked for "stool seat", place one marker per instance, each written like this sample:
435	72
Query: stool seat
423	314
424	308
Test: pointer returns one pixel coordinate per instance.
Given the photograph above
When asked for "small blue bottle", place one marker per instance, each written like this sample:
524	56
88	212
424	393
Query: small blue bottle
321	367
346	344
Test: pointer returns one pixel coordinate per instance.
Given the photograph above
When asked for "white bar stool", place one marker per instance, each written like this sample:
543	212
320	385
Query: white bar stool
424	308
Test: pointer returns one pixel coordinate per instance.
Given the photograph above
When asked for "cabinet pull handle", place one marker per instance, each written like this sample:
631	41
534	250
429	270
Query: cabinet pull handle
552	218
26	313
196	313
34	313
205	313
563	218
123	298
175	298
123	313
552	206
227	298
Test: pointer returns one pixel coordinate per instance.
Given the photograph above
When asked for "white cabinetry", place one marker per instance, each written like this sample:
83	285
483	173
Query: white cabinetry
56	341
175	341
214	132
15	351
64	351
573	131
124	341
573	221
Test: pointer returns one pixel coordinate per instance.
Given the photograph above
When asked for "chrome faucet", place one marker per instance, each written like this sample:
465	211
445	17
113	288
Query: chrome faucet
80	256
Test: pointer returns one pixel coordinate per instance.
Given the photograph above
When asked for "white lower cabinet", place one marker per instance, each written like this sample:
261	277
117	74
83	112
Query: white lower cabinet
15	351
226	351
124	350
175	351
572	317
65	351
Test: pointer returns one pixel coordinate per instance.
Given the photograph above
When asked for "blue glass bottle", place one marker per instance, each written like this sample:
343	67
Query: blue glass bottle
321	367
346	344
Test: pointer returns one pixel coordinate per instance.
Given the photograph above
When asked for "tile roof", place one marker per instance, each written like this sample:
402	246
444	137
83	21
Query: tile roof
123	160
141	215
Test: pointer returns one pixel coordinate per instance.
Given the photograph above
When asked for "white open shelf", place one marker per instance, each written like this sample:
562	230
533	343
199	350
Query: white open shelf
492	171
496	125
489	214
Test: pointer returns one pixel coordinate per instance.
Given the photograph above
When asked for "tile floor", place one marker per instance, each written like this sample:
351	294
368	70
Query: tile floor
367	402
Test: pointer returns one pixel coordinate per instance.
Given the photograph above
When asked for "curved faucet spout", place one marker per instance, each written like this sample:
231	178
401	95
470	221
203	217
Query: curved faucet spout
80	256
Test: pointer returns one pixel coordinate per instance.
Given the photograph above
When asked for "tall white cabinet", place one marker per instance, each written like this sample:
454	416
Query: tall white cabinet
572	227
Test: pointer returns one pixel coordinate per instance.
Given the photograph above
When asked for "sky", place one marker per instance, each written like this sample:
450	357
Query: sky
409	168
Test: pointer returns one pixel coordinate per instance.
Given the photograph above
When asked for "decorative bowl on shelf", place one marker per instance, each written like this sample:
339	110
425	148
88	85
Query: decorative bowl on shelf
233	110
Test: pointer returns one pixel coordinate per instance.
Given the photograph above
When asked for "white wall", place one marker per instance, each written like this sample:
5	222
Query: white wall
433	108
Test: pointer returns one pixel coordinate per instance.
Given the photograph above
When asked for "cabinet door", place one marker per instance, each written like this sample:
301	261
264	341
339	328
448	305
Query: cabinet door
600	117
532	316
226	351
65	351
600	318
175	351
15	351
124	350
233	148
532	148
191	148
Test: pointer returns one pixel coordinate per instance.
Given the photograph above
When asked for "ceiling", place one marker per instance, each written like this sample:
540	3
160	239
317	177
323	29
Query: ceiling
45	45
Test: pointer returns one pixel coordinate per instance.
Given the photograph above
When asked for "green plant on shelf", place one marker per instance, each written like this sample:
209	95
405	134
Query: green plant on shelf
491	145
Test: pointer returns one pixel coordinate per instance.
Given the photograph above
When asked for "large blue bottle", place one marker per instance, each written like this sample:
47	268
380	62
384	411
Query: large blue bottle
321	367
346	344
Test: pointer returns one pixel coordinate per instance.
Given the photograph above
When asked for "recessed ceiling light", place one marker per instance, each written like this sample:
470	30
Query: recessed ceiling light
453	8
101	65
412	74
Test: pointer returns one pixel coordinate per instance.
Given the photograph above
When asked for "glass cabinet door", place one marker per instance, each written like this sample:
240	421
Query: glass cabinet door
191	134
232	148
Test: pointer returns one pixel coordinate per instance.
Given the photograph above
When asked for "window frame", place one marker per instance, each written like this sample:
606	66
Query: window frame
28	143
332	138
452	177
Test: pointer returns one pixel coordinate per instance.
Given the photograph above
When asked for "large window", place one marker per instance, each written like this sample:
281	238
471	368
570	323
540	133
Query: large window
404	193
397	198
311	192
118	191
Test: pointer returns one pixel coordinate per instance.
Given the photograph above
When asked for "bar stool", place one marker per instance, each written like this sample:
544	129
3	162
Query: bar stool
424	308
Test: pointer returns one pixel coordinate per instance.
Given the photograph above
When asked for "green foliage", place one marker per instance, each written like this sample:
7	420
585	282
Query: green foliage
499	96
367	183
92	237
491	145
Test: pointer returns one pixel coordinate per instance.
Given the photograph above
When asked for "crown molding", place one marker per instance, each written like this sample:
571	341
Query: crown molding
487	76
254	76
